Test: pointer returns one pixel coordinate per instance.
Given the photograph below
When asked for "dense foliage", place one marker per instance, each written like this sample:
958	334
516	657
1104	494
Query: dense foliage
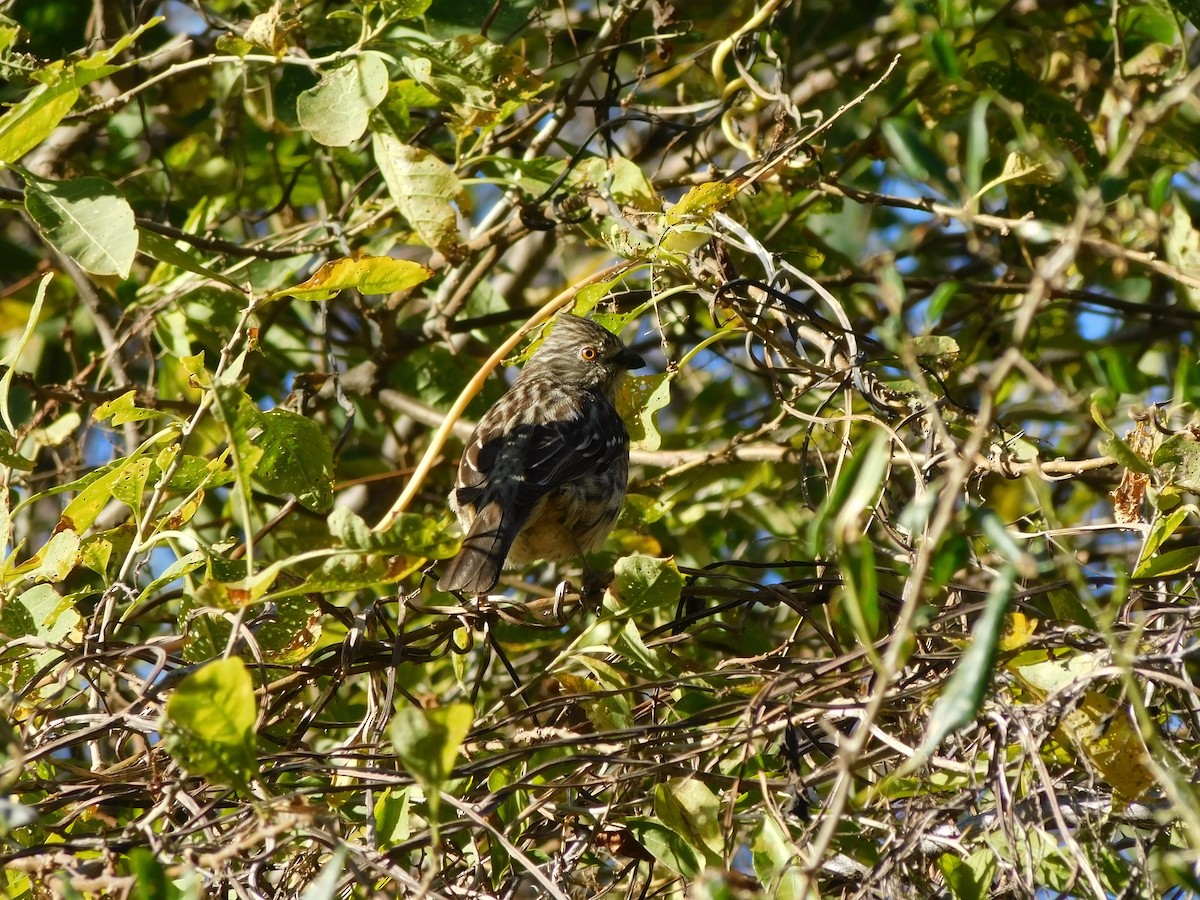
903	598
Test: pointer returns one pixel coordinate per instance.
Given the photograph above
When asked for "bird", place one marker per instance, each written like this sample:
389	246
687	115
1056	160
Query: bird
543	475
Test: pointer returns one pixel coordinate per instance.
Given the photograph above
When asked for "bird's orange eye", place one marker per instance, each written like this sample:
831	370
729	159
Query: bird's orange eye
588	354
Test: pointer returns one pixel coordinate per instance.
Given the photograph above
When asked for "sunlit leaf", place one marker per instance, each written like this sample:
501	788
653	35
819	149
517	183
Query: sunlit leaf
963	694
87	219
691	810
776	860
643	582
368	274
297	459
29	122
336	110
1178	458
423	188
209	724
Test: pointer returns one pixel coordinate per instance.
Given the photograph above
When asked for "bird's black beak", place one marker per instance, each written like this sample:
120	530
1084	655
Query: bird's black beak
627	359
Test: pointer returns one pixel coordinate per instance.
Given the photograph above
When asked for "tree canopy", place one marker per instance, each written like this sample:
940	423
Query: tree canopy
901	597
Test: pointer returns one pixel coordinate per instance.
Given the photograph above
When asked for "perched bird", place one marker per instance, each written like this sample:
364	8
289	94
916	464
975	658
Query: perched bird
544	473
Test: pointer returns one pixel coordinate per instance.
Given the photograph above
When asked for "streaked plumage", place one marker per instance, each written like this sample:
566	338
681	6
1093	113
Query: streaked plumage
544	473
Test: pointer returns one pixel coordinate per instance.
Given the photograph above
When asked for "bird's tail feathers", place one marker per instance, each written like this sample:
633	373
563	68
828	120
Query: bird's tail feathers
476	567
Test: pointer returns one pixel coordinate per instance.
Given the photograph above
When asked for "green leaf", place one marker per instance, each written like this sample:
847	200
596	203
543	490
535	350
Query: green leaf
667	846
337	109
325	885
165	251
1170	563
628	642
95	553
404	9
88	220
423	189
243	428
39	612
642	583
30	121
776	860
292	631
55	560
1117	371
963	695
626	183
185	565
131	483
941	299
209	725
685	224
123	410
1124	454
1056	114
427	742
1022	168
150	881
1003	543
297	459
480	83
392	820
1164	526
970	878
856	562
639	398
918	161
9	456
410	533
935	346
1178	459
691	810
852	495
368	274
81	512
42	613
939	45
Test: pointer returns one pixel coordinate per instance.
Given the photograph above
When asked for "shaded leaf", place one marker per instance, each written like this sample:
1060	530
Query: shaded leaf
1188	8
1055	113
166	251
427	742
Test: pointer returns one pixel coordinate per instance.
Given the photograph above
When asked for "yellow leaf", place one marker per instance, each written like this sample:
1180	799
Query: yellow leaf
368	274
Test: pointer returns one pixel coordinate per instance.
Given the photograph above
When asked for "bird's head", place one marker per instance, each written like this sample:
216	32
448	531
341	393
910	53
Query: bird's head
579	352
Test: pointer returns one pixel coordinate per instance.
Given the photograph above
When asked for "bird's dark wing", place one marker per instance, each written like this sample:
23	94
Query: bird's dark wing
537	437
565	450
